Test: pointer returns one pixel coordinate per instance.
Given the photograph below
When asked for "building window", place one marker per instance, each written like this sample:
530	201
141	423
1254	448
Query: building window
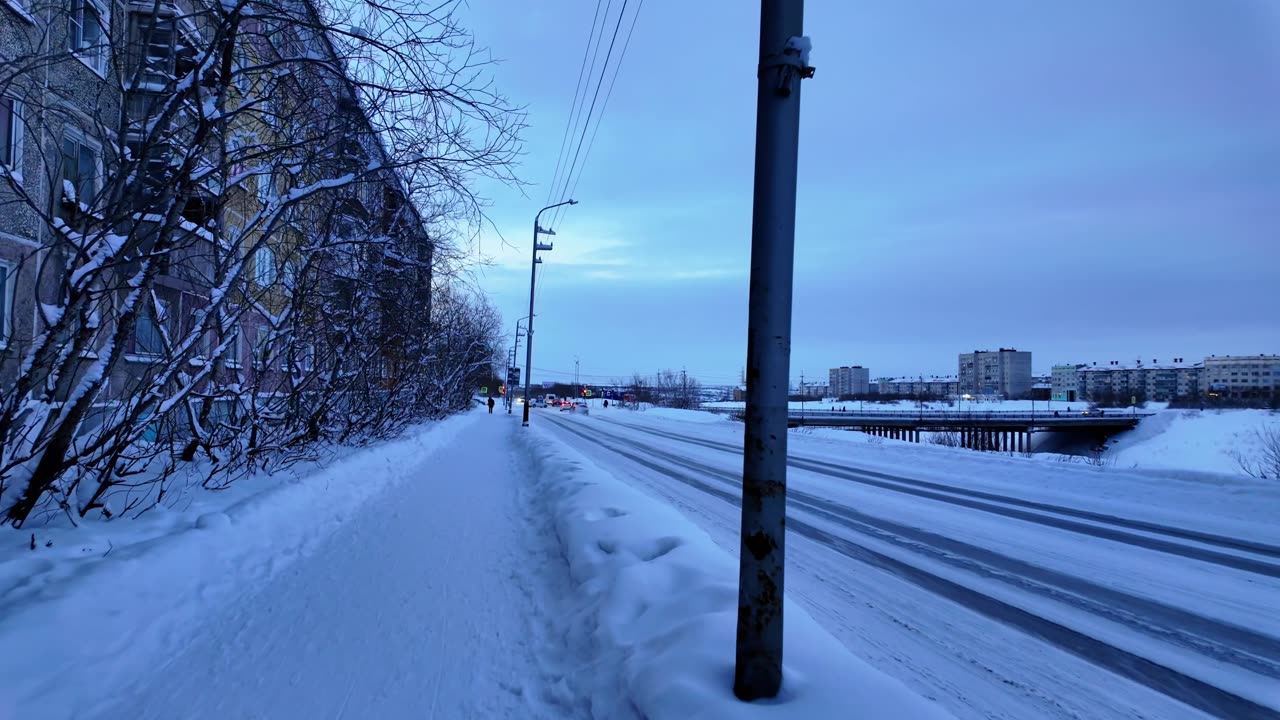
264	266
260	349
6	287
148	333
80	169
291	273
11	133
263	188
87	32
195	306
232	354
155	35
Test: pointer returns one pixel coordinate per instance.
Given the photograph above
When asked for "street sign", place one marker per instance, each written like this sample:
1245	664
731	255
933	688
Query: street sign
484	389
513	376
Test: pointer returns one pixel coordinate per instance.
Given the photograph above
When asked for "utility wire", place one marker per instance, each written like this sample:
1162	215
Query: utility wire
608	93
595	97
558	188
576	106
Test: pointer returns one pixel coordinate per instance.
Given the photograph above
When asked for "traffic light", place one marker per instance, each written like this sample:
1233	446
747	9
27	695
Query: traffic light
502	389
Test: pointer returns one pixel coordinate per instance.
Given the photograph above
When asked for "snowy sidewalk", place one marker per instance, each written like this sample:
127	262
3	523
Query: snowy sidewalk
428	602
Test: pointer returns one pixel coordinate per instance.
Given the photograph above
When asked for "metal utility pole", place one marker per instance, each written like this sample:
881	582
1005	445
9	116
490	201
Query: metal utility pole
515	350
784	61
533	277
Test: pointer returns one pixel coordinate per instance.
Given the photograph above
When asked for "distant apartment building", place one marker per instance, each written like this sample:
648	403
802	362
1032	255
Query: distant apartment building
1241	376
1005	373
848	380
1116	381
1065	382
929	386
811	390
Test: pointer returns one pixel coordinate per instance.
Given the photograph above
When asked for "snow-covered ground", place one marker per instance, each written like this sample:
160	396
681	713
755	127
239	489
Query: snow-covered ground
470	570
1001	586
1196	440
660	601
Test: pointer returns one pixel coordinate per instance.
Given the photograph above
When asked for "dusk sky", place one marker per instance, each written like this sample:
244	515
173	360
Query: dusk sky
1092	180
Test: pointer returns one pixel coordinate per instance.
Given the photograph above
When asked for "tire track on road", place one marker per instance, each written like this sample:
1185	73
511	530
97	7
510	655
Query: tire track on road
1163	679
954	496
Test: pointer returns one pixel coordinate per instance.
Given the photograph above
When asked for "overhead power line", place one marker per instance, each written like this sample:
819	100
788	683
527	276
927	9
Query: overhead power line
577	90
595	96
608	94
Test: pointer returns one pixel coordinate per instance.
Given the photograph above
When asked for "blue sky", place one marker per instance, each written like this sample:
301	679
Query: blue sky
1092	180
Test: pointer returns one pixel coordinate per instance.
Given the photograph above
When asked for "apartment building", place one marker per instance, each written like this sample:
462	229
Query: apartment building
1241	376
813	391
848	380
927	386
1004	373
1065	382
1115	381
55	124
98	112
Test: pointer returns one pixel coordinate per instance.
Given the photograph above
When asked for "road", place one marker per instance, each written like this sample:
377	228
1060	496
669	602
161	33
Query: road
997	604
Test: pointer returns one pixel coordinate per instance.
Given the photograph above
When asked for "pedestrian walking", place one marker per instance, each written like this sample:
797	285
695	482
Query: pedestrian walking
491	406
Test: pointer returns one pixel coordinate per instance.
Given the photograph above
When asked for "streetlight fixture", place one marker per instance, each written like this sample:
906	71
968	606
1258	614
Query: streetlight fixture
515	349
533	277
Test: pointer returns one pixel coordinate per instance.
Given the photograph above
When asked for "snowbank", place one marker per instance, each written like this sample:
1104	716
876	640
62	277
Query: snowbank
112	602
660	598
1204	441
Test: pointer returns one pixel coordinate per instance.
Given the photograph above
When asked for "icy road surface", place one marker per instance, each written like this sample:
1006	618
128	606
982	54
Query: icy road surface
1000	587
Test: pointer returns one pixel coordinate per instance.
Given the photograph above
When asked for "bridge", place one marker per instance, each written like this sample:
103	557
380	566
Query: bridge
977	429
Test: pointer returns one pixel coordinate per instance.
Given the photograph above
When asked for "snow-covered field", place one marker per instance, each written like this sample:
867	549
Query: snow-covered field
1001	586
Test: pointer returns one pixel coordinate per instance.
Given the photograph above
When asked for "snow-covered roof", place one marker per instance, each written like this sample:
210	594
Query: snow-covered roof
1108	367
917	378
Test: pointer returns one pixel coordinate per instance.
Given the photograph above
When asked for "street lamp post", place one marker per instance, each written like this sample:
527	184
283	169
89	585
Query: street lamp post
515	349
533	277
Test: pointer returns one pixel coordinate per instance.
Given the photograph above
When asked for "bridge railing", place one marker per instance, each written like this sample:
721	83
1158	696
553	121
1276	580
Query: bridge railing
959	415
